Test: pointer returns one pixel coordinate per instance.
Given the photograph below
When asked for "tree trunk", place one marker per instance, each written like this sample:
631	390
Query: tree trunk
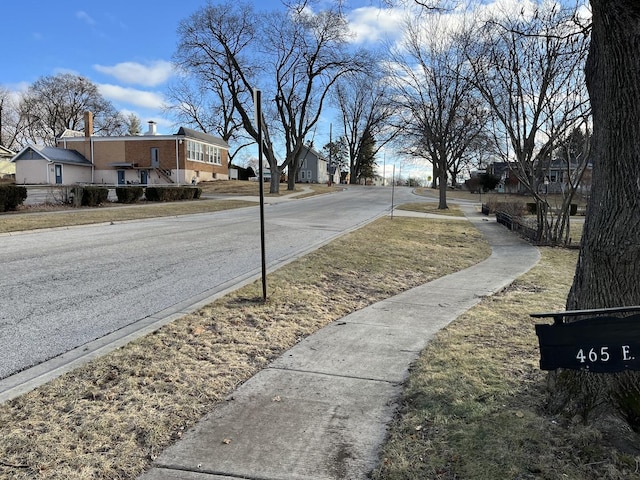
608	270
442	203
293	174
274	182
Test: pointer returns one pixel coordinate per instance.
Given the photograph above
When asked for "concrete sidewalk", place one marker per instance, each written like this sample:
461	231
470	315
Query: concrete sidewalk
321	410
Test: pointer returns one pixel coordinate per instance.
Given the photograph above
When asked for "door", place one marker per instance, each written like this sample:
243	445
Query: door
58	170
120	177
155	158
144	177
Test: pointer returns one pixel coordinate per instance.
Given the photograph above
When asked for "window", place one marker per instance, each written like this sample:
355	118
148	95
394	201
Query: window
195	151
302	172
200	152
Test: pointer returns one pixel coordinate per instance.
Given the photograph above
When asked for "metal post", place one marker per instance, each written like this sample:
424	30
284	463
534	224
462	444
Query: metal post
330	149
257	100
393	187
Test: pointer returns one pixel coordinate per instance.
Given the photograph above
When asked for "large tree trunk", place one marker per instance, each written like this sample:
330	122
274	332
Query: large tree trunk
608	270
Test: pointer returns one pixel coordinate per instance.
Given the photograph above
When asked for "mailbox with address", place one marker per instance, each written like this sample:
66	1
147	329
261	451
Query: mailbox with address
599	343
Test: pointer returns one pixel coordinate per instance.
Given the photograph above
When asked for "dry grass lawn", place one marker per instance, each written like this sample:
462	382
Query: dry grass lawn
112	417
55	216
473	407
432	207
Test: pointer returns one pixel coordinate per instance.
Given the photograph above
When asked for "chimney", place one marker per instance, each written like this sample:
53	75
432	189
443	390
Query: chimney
88	124
152	128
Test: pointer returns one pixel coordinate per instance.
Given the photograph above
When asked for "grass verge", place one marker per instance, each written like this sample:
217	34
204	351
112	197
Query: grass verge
112	417
56	216
20	221
473	407
432	207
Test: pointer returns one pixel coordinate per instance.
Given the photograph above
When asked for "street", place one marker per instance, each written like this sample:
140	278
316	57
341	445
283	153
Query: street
64	288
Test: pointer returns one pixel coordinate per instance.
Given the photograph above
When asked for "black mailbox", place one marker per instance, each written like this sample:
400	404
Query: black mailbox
599	342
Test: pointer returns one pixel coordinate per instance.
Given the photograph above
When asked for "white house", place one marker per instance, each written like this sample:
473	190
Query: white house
39	164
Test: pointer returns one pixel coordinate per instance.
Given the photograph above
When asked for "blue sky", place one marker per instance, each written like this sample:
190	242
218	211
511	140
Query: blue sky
124	47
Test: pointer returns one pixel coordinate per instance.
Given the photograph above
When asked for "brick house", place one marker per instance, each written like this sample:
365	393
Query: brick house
186	157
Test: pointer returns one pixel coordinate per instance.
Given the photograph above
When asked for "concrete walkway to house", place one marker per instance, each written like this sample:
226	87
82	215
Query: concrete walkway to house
320	411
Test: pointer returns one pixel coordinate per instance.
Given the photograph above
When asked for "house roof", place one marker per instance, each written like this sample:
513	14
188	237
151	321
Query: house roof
5	152
313	151
68	133
51	154
205	137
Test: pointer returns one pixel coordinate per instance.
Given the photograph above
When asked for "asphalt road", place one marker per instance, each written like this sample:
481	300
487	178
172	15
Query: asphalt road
62	289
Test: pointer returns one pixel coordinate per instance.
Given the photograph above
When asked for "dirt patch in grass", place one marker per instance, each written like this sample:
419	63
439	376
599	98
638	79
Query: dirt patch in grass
112	417
473	407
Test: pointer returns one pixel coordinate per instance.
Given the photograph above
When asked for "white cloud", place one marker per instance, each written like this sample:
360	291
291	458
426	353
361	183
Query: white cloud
370	24
132	96
85	17
149	75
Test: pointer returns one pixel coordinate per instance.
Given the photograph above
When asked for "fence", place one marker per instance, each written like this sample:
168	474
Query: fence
516	224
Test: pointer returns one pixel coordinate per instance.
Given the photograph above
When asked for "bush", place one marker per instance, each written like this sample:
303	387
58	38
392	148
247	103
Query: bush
172	194
91	196
515	209
11	196
129	194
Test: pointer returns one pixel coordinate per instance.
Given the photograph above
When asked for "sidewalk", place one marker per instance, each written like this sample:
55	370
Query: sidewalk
320	410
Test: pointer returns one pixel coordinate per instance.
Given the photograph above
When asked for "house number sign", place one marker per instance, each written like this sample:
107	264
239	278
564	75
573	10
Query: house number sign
597	344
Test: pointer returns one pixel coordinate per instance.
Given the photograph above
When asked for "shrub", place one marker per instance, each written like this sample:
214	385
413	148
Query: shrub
515	209
172	194
11	196
92	196
129	194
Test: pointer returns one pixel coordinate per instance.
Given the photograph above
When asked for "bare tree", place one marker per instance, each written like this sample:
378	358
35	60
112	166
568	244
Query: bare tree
295	57
55	103
529	69
366	112
441	112
310	54
11	121
217	50
207	106
608	269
